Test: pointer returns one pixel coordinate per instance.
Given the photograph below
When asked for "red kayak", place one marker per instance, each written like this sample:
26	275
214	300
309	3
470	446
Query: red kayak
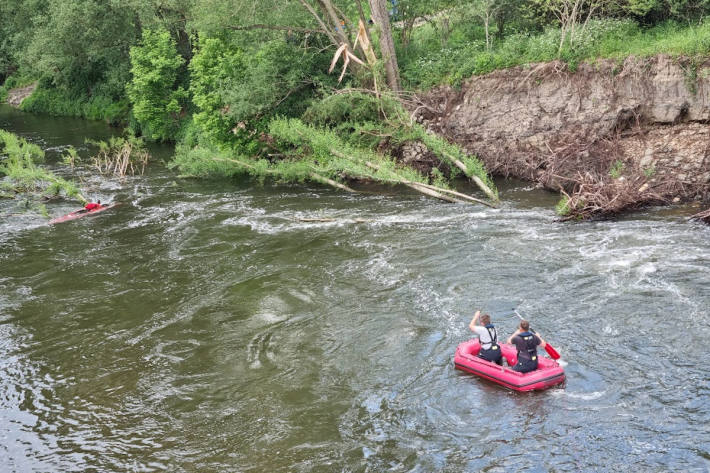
548	374
81	213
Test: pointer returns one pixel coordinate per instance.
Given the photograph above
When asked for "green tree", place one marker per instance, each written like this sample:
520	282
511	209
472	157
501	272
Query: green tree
215	66
154	92
82	46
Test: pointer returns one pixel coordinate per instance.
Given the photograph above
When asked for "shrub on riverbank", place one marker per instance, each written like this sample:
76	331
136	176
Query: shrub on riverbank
346	136
58	103
22	176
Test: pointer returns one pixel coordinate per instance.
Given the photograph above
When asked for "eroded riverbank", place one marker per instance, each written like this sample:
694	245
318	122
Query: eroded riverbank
613	135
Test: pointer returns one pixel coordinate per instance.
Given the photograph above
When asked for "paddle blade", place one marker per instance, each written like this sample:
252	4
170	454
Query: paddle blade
552	352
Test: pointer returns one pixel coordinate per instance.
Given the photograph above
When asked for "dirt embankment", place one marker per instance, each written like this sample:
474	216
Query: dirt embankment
612	135
16	96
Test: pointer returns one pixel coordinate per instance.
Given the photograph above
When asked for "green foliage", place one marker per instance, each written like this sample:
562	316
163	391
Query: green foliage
71	157
434	64
120	156
157	99
309	152
22	175
81	46
214	66
363	120
353	107
205	160
15	148
56	102
562	207
617	168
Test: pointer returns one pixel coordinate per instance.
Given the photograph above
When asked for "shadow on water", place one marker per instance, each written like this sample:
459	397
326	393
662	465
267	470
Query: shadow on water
204	326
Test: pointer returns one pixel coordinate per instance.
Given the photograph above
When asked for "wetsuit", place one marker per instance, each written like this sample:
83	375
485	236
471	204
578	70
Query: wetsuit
526	343
488	337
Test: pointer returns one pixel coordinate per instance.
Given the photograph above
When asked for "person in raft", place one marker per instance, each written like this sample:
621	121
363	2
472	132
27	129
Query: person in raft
92	206
481	325
526	342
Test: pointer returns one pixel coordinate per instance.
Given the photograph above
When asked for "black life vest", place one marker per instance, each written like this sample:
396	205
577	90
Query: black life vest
529	351
494	337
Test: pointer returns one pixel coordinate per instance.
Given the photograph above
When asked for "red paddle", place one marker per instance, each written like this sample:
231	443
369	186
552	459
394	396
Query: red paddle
552	352
548	348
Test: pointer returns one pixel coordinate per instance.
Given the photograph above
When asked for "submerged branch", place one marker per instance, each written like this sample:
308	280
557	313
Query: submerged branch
419	187
330	182
477	180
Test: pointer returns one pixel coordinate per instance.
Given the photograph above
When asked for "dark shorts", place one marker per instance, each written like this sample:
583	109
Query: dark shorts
491	355
525	366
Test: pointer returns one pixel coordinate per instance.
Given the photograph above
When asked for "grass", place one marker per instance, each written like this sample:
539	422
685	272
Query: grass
57	103
617	168
427	63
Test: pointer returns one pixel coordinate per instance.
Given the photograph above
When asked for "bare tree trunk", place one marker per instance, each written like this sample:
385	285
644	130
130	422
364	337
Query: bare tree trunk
329	9
487	21
382	20
320	22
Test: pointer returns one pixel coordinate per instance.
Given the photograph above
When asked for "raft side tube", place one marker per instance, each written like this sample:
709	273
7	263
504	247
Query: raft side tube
549	372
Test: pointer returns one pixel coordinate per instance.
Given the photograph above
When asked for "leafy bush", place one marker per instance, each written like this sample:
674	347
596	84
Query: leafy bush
214	65
18	163
57	102
156	97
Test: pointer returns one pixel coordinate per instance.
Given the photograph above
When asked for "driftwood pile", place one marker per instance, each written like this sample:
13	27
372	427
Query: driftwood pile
595	197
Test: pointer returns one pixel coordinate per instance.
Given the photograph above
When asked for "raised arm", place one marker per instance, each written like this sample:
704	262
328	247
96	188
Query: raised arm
474	320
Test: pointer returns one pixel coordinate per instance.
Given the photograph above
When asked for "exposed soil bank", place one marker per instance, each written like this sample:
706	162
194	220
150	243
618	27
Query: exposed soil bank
612	135
16	96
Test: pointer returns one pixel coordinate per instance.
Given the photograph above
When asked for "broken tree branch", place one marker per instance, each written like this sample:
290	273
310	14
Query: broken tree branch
477	180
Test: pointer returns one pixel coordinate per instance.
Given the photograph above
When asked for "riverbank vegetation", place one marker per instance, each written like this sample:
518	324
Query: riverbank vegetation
22	176
311	90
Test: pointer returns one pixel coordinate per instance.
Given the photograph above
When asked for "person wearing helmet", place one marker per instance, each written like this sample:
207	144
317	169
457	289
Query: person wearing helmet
487	336
526	342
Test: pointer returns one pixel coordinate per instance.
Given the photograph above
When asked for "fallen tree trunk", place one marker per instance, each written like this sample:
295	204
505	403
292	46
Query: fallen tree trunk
330	182
477	180
459	194
419	187
313	175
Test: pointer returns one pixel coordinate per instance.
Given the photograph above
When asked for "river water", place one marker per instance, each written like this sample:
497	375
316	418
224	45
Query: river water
203	326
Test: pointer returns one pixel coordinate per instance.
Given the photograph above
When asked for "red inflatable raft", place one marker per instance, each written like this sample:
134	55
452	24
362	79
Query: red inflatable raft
81	213
548	374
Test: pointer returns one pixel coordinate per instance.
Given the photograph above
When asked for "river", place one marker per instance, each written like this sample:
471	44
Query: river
202	326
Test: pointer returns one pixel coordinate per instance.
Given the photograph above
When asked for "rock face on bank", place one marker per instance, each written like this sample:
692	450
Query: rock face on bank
16	96
640	126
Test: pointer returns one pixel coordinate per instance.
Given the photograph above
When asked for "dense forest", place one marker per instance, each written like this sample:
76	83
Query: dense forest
308	89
